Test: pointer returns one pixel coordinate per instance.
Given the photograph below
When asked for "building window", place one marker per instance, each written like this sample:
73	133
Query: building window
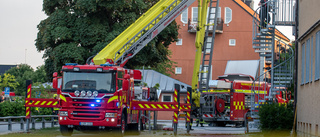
178	70
227	15
311	58
232	42
307	64
184	16
166	98
194	17
302	62
179	42
317	57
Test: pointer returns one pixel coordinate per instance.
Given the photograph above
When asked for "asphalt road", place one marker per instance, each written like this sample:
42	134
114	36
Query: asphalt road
17	127
202	131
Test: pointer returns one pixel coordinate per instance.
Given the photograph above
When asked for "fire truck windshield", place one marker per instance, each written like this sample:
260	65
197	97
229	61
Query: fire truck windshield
101	82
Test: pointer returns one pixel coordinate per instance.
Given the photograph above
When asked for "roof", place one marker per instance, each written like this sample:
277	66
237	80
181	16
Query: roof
166	83
251	12
4	68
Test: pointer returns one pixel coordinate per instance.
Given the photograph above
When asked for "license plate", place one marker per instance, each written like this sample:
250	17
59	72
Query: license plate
86	123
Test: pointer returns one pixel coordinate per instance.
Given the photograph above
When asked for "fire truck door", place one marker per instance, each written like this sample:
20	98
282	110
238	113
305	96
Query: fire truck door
237	106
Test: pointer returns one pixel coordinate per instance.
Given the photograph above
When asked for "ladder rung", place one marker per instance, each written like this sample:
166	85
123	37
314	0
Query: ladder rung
258	47
262	43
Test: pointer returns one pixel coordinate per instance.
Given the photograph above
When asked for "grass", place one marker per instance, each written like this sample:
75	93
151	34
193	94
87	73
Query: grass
47	132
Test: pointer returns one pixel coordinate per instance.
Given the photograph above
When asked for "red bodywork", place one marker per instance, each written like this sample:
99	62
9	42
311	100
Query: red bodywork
231	104
80	110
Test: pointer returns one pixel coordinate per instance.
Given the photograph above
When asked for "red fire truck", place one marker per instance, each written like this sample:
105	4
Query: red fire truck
230	98
98	96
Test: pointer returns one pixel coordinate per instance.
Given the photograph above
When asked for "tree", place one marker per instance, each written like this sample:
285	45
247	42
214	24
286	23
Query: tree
25	72
76	30
8	81
22	73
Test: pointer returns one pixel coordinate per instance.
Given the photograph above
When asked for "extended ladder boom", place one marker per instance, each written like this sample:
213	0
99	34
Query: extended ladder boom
141	32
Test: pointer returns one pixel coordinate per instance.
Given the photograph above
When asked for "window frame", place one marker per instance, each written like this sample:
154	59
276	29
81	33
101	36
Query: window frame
179	42
181	17
235	41
192	15
307	64
176	70
302	63
171	97
317	57
311	58
225	15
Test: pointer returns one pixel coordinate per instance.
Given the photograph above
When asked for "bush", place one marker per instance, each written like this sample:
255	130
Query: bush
15	108
276	117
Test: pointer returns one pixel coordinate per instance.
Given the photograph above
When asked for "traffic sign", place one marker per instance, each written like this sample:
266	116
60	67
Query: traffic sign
7	91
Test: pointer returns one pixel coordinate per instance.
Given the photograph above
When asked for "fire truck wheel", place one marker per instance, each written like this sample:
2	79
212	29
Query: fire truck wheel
65	131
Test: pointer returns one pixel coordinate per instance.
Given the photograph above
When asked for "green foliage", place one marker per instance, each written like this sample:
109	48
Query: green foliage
156	86
276	117
8	81
15	108
76	30
25	72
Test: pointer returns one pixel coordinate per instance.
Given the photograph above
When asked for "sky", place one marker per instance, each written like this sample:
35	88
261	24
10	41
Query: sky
18	31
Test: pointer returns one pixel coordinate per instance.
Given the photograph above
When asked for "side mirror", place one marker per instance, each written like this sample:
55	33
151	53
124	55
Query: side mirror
126	76
125	85
55	80
55	74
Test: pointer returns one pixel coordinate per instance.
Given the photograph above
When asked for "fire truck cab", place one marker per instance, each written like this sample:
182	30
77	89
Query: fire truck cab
98	96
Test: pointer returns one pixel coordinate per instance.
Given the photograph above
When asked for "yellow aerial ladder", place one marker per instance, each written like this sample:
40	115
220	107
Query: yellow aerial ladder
151	23
141	32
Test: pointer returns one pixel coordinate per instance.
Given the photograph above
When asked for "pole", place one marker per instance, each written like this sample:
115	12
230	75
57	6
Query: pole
28	95
25	56
176	113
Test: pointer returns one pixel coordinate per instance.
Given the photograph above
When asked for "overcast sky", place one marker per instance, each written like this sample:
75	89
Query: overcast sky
18	31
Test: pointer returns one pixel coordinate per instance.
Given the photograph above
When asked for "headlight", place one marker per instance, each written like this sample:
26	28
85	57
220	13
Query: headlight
89	93
95	93
111	114
83	93
63	113
77	93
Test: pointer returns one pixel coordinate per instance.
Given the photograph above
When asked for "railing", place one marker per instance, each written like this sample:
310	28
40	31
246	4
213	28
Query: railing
285	10
284	68
22	121
192	27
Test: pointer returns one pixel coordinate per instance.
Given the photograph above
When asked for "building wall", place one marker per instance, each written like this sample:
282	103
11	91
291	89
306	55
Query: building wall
308	118
308	92
308	14
240	28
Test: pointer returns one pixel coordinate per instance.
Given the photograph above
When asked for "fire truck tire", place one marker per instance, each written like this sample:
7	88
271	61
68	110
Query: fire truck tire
65	131
221	124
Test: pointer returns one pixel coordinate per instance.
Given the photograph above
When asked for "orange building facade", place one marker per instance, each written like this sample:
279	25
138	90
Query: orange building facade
233	40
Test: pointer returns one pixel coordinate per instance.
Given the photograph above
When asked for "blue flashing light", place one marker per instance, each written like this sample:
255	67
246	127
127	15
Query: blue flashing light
98	100
92	105
71	64
117	104
106	65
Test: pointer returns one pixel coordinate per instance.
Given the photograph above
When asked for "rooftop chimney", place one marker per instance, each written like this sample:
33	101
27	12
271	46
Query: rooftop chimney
250	3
